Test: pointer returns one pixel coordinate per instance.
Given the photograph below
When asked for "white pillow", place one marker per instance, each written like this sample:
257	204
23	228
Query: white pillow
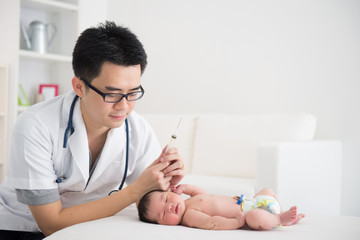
227	186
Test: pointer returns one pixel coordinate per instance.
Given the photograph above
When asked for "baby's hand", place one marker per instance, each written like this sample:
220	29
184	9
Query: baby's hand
179	189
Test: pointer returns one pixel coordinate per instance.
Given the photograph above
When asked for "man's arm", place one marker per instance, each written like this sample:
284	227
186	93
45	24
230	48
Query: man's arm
188	189
197	219
53	217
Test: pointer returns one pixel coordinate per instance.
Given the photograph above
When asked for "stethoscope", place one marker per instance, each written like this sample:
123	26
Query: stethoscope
70	130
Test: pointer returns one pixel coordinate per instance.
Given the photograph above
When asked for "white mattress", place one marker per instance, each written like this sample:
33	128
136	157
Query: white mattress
126	225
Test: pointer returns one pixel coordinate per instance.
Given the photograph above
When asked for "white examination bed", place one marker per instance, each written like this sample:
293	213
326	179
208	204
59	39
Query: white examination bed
126	225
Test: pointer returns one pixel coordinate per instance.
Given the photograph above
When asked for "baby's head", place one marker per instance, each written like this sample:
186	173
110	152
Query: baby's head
162	207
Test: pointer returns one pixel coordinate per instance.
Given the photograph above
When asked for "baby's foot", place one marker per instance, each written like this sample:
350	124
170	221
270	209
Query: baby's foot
290	217
295	221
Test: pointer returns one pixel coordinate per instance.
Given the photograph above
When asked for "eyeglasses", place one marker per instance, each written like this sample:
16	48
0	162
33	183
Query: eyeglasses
117	97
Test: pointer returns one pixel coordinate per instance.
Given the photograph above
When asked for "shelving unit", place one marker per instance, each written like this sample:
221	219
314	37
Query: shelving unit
18	65
45	56
48	5
30	68
53	67
4	88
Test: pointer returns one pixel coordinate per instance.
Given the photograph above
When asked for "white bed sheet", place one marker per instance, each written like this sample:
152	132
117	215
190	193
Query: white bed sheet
126	225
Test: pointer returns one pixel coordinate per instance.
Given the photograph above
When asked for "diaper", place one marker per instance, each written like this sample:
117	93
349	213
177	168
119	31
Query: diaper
265	202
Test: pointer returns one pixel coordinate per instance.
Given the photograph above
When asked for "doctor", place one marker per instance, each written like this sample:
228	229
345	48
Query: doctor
69	153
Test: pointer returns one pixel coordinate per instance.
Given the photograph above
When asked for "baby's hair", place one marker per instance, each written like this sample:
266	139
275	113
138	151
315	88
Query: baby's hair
143	206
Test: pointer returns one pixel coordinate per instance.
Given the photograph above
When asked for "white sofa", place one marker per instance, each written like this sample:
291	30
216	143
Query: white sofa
241	154
234	154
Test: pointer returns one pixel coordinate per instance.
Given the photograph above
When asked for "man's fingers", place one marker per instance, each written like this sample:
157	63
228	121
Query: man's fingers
167	178
166	183
160	158
178	172
170	155
164	150
174	165
160	166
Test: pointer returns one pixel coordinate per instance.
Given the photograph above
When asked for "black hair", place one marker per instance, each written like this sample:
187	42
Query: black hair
143	206
106	43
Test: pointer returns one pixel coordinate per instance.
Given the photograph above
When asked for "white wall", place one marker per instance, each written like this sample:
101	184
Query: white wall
255	56
91	12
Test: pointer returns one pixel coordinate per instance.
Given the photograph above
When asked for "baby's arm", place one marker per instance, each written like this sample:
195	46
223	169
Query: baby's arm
188	189
197	219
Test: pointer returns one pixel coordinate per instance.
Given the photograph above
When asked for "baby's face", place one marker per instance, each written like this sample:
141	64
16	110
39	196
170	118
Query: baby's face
166	208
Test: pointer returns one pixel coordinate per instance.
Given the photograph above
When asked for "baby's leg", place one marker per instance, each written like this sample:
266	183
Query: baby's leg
269	192
260	219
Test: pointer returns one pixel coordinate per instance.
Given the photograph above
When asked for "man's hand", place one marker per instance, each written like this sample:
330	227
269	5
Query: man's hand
151	178
165	172
176	168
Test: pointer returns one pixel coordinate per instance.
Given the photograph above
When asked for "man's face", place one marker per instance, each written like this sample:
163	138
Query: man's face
112	79
166	208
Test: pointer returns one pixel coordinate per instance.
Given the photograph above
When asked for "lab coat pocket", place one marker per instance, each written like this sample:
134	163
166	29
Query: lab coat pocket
69	177
64	168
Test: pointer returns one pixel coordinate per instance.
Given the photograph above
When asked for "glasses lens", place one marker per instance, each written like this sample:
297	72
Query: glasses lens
112	97
115	97
134	96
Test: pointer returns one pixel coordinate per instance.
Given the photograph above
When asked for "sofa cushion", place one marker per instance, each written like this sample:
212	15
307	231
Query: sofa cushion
228	186
225	145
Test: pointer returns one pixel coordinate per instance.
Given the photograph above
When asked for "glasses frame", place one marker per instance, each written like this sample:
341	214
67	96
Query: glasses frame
142	91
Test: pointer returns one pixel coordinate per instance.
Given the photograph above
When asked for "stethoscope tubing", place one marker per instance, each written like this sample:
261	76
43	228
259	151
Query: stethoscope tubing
70	126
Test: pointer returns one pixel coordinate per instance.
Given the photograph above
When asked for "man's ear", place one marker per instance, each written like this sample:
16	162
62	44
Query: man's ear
78	86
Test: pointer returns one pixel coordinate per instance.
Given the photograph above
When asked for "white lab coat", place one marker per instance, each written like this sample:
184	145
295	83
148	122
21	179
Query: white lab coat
37	158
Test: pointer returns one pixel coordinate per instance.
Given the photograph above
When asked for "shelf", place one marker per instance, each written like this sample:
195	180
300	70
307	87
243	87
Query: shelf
45	56
48	5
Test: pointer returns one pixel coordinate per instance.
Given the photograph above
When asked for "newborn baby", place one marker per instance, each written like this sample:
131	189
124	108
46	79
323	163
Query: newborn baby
215	212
